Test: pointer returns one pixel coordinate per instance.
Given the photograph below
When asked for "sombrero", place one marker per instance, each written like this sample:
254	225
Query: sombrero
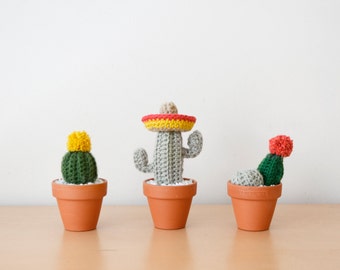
169	120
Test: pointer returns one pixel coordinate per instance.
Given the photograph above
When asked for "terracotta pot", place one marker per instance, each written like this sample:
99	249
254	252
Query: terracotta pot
169	205
79	205
253	206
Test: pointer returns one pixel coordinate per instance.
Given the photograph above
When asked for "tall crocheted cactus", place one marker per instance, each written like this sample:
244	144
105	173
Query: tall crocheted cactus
167	165
78	165
270	171
271	166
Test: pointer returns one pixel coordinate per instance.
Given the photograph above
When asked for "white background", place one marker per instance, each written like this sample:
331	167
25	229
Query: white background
248	70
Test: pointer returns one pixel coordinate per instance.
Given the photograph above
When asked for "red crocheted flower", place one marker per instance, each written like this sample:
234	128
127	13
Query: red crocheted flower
281	145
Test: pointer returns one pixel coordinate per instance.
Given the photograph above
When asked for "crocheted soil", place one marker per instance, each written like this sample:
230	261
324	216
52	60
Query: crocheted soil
63	182
183	183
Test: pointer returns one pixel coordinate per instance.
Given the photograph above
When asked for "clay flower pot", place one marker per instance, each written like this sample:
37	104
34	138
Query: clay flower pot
169	205
79	205
253	206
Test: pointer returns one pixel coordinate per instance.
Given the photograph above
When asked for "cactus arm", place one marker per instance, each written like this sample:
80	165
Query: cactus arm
141	161
195	143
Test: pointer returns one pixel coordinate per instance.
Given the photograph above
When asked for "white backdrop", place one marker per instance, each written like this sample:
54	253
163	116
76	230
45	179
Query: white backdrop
248	70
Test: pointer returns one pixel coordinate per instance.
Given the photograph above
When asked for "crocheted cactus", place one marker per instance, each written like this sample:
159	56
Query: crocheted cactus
271	166
270	171
167	165
248	178
78	165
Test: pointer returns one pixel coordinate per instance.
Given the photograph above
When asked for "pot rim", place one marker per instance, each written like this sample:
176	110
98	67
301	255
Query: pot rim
170	192
261	193
79	192
79	185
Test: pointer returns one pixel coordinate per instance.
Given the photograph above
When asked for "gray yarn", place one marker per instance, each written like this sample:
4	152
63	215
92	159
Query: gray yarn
167	165
248	178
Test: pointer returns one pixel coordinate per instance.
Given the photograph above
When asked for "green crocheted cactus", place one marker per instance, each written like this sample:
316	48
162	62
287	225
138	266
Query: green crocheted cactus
167	165
271	166
78	165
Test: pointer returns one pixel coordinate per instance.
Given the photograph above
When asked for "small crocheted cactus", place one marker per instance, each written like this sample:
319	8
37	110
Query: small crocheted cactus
248	178
271	166
270	171
78	165
167	165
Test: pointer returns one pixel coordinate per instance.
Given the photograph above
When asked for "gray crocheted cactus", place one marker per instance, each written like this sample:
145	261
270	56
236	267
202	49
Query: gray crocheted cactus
248	178
167	165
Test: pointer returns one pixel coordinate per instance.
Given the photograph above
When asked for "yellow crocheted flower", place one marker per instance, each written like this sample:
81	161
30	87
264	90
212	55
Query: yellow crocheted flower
79	141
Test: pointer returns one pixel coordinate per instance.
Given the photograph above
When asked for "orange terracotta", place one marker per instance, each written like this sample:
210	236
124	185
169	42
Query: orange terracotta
79	205
169	205
253	206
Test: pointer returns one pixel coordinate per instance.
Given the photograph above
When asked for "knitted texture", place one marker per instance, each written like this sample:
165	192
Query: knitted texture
78	165
79	141
281	145
271	169
167	165
271	166
248	178
169	108
79	168
168	122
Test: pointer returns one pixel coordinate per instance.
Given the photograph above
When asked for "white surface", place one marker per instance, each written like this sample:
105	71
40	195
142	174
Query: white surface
248	70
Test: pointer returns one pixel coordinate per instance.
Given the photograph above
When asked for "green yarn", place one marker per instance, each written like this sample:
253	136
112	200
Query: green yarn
79	167
271	169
